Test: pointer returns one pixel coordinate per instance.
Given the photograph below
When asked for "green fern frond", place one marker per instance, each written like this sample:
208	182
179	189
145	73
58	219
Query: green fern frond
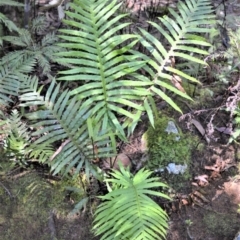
19	62
41	53
18	138
60	120
10	25
11	3
128	213
181	33
38	24
105	70
9	85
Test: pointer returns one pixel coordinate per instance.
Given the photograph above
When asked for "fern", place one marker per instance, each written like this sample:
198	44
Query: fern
181	33
9	85
60	120
17	140
10	25
40	53
128	212
107	72
11	3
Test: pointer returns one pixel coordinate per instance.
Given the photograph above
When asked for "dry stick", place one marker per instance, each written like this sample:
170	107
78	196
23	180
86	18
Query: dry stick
8	192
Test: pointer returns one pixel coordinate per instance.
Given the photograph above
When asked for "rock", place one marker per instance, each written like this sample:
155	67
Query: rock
237	237
123	158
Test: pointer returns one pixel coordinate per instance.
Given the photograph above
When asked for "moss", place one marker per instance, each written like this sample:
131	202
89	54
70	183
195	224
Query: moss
33	199
222	225
72	187
164	148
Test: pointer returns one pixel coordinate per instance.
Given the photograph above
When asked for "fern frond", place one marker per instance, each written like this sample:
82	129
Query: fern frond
181	33
18	138
128	212
19	62
106	70
38	24
10	25
61	117
9	85
41	53
11	3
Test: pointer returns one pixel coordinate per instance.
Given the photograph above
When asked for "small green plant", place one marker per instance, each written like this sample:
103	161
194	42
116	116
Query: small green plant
17	139
188	222
127	212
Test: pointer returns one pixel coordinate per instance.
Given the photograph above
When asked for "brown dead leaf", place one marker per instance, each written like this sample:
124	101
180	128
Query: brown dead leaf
214	168
200	128
176	81
200	196
215	175
202	180
194	184
184	202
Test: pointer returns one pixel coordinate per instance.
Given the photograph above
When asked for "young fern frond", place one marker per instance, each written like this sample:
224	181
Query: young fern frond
60	120
18	138
181	33
127	212
105	69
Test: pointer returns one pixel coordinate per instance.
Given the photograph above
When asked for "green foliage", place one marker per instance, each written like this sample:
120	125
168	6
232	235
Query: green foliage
17	140
10	25
9	84
32	50
106	71
164	147
106	66
127	212
181	33
75	188
65	122
111	94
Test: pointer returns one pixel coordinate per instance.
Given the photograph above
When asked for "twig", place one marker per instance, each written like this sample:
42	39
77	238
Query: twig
8	192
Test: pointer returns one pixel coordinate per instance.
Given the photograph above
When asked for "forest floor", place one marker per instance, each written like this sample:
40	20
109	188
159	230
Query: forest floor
205	207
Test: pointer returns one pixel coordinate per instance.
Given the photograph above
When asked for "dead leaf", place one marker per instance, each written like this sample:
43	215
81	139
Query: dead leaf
176	81
202	180
184	202
200	196
59	149
199	126
224	130
172	59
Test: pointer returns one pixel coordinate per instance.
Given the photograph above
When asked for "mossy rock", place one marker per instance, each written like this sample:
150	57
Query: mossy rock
164	148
